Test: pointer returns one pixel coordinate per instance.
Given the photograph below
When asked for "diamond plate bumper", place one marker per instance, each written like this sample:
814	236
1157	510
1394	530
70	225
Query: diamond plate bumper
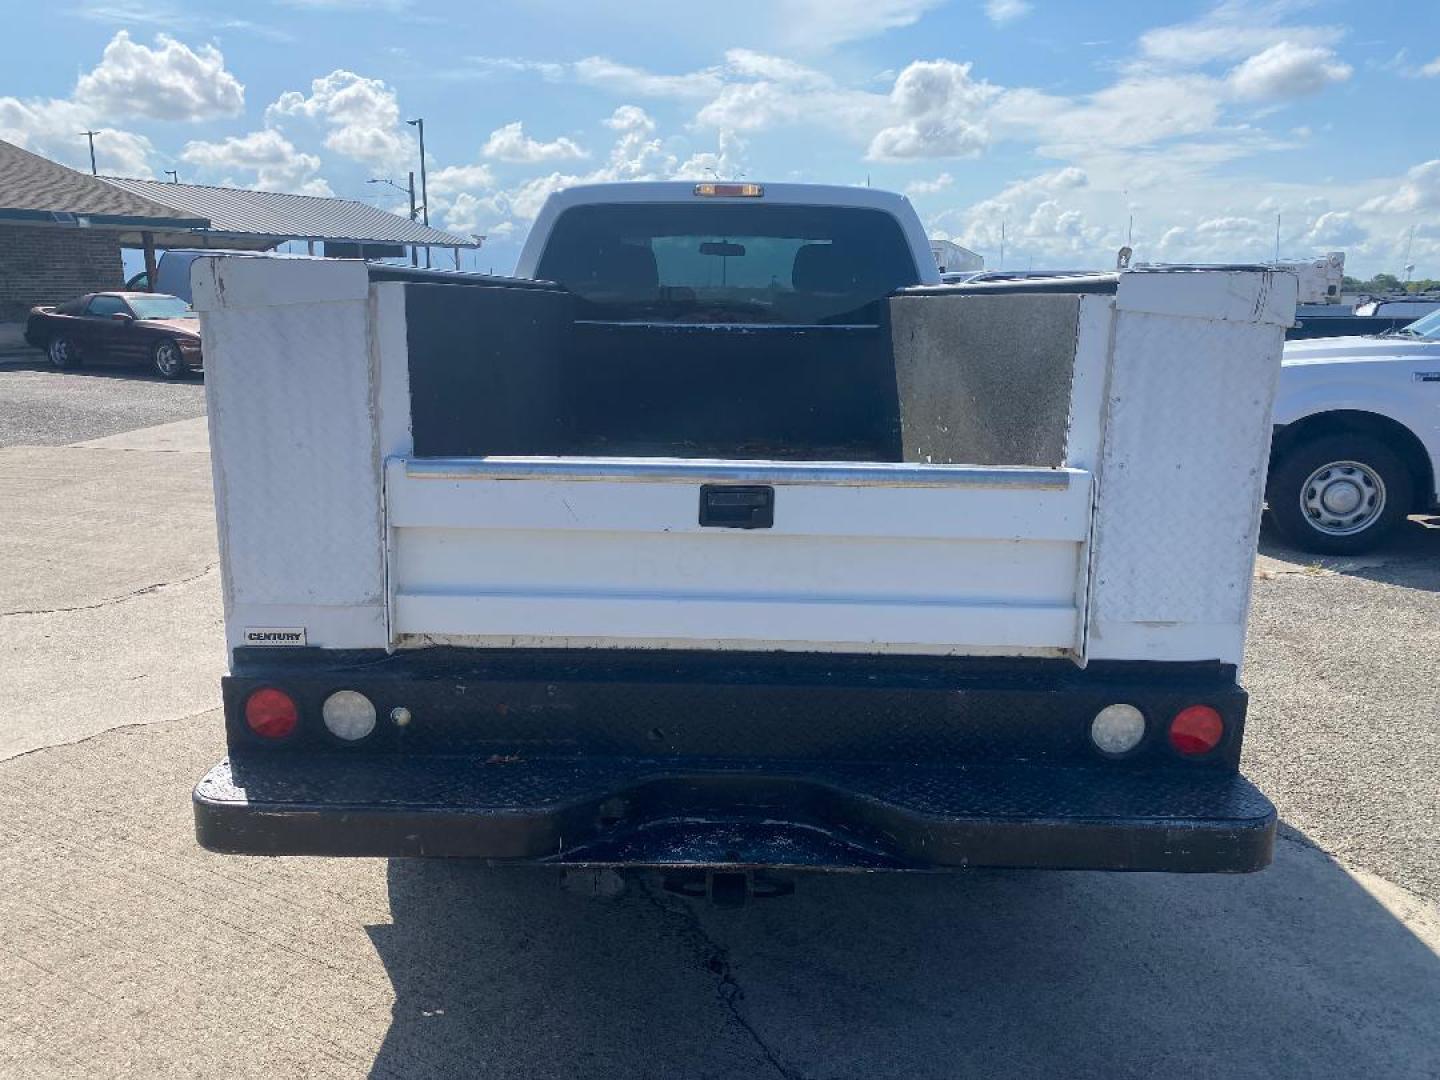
656	812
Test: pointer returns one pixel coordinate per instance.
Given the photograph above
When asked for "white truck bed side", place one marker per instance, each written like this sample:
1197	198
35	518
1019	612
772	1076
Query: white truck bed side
1139	547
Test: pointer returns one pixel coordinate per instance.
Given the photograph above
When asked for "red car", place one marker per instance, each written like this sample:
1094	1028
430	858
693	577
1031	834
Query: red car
155	329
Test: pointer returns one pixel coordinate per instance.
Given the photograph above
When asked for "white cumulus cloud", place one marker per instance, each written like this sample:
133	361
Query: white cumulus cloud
170	81
275	162
929	187
1336	229
510	143
1287	70
362	114
941	111
1419	189
52	129
1232	31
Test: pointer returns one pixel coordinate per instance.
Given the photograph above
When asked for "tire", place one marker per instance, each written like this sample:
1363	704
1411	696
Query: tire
62	352
1339	494
167	360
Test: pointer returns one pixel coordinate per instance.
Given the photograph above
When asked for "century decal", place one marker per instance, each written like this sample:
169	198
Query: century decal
274	635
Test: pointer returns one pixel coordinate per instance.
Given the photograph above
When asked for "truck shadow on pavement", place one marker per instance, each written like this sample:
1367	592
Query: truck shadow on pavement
1297	971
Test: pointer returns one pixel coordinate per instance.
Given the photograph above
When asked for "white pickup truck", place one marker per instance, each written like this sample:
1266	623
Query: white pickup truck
726	538
1357	437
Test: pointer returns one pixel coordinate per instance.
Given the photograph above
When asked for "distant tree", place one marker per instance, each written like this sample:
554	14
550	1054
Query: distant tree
1388	283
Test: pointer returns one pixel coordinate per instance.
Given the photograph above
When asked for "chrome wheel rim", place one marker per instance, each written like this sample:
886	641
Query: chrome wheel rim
1343	498
59	352
167	359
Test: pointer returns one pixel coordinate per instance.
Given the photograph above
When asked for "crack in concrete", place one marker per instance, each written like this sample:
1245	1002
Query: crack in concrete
715	958
108	731
144	590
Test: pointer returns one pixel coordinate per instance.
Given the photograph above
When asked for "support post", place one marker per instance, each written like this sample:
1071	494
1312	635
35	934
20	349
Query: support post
147	241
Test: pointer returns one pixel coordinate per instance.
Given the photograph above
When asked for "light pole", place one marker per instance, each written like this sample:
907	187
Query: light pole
91	136
419	125
414	259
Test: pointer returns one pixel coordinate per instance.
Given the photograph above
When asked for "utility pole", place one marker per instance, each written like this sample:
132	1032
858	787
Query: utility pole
91	136
414	255
414	258
419	125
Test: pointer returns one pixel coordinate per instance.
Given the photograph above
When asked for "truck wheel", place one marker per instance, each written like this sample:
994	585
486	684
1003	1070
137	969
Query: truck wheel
1339	495
62	352
168	361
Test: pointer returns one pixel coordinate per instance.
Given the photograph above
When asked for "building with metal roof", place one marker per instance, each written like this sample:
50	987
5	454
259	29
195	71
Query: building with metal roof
61	231
241	218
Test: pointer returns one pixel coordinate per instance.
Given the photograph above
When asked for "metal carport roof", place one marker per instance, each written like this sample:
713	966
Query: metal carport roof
239	214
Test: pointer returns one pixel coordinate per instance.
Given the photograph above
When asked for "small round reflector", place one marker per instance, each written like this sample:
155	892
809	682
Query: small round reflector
271	713
1196	730
349	715
1117	729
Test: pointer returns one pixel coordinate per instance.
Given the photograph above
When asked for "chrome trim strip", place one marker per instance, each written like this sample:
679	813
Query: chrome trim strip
705	470
738	327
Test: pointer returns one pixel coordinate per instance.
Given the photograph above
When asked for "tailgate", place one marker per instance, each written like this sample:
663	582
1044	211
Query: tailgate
873	557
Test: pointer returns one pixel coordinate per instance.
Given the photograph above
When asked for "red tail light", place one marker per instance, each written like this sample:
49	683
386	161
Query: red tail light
271	713
1196	730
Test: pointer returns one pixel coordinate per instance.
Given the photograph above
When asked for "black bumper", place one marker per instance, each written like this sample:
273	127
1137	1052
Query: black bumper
750	761
638	812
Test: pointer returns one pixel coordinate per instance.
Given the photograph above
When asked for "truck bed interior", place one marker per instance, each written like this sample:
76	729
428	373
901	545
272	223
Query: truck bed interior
937	375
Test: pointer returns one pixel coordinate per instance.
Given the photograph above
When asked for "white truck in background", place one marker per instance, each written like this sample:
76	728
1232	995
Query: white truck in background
1357	437
725	539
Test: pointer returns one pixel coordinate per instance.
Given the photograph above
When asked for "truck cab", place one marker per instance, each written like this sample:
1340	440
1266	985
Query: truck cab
724	538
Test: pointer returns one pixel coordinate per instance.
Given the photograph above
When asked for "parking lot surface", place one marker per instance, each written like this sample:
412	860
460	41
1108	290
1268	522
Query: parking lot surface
40	406
130	952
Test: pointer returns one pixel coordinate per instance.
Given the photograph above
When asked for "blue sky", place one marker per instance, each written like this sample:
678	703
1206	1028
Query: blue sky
1058	121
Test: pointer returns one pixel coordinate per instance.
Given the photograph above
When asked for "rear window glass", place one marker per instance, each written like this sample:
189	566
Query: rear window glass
728	263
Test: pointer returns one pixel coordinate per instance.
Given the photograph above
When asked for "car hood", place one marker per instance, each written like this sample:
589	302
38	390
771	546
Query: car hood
1345	349
188	327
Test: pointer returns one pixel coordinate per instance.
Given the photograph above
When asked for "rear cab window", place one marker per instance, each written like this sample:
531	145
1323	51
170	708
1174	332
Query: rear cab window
728	263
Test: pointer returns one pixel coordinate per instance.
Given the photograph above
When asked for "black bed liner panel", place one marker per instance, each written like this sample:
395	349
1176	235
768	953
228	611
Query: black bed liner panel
496	370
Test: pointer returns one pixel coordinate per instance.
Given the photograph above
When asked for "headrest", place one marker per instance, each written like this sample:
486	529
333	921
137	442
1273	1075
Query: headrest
822	268
632	268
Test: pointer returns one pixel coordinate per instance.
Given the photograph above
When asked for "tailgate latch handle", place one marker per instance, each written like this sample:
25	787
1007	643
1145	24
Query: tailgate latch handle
729	506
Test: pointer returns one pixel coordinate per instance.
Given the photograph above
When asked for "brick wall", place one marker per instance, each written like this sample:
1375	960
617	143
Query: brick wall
49	265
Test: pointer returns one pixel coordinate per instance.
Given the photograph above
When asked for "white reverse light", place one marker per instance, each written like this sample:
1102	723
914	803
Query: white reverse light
1117	729
349	715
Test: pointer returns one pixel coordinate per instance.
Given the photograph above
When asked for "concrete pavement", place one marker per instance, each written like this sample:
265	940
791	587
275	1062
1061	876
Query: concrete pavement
109	596
129	952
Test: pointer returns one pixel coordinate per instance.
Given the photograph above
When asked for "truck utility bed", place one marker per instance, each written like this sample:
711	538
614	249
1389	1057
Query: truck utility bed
586	569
